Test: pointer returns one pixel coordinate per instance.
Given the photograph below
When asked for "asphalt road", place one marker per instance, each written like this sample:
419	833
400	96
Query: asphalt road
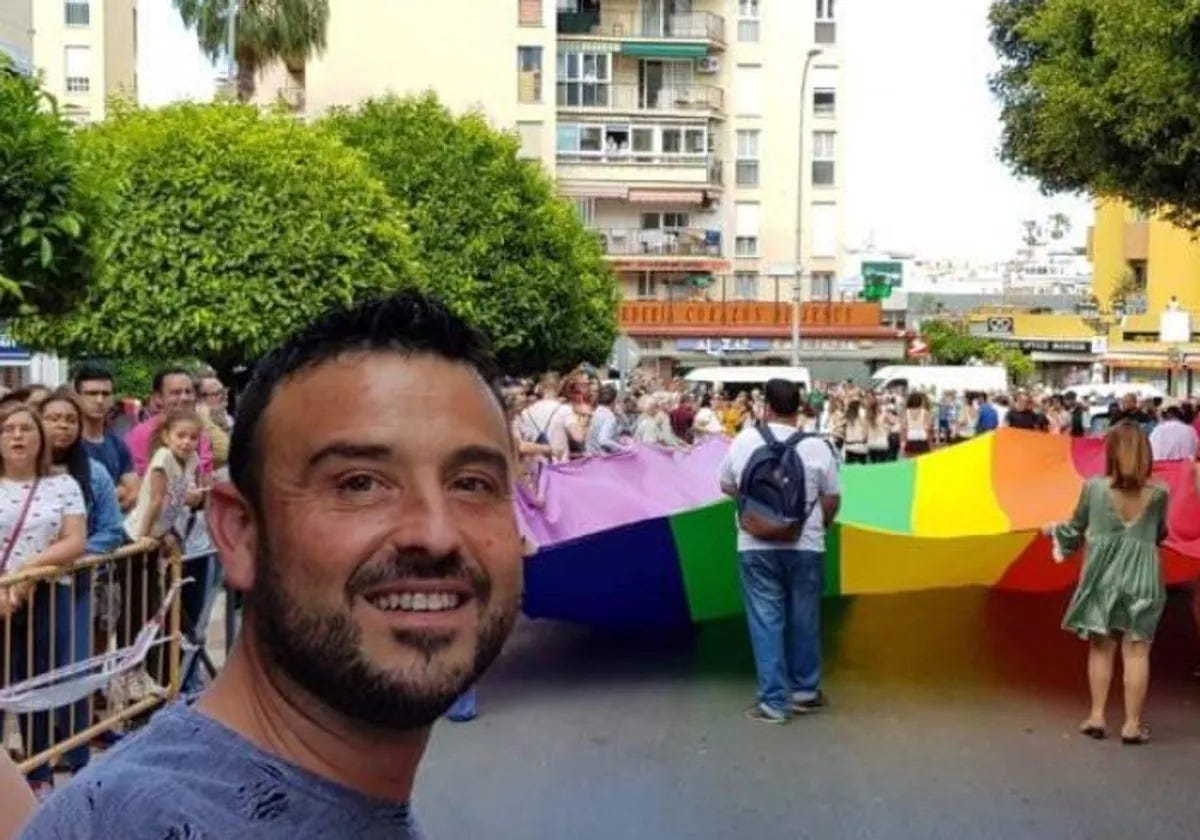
953	714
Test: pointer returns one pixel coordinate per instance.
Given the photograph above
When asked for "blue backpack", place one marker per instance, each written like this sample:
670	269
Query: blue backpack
772	494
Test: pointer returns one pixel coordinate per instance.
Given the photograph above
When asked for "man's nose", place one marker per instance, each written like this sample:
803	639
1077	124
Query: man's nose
425	522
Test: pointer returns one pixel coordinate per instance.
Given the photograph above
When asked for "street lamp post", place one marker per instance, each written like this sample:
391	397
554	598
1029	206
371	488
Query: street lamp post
796	290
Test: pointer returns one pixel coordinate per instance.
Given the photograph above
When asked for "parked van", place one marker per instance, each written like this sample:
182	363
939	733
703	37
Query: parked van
731	380
941	378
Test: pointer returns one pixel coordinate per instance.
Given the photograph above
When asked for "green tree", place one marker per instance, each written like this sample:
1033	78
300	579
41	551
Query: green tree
1102	96
45	203
496	241
229	229
950	344
265	31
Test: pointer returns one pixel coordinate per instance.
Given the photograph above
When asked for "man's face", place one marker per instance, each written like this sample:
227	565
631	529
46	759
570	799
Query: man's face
97	397
389	565
177	393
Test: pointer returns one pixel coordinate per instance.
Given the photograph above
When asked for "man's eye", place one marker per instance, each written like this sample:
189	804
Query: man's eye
474	485
357	484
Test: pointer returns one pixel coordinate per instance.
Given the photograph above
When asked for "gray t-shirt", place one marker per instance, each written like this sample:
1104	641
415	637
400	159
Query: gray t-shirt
187	777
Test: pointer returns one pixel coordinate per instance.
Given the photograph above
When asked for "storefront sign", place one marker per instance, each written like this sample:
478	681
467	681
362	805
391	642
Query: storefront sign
748	314
1001	325
10	351
723	345
1042	346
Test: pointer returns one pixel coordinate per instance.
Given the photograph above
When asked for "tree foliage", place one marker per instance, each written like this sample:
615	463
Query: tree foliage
265	31
496	241
1103	96
229	229
45	254
950	344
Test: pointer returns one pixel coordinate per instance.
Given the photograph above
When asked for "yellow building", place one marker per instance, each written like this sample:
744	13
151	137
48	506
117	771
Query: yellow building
1155	268
1063	347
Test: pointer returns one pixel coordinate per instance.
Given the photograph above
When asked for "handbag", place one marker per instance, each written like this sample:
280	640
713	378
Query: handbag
16	531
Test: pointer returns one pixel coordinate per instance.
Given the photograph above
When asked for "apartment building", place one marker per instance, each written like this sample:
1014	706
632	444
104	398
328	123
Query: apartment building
84	49
700	139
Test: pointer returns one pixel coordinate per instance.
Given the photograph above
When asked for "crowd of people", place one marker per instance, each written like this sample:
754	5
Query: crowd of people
79	476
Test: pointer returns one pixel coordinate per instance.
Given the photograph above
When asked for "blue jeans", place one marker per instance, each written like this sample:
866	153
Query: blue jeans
782	591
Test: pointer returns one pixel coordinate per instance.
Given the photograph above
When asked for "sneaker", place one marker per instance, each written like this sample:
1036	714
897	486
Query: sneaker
765	714
812	704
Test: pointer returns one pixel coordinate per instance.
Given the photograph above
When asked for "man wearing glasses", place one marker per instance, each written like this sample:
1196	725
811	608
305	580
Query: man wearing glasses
95	387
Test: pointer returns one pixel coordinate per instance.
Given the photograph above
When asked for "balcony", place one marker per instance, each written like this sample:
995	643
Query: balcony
592	97
638	168
670	242
622	24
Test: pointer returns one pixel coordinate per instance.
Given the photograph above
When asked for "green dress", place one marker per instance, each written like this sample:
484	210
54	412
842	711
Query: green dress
1121	587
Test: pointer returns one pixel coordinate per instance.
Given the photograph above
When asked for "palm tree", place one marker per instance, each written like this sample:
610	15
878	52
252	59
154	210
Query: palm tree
1060	225
290	31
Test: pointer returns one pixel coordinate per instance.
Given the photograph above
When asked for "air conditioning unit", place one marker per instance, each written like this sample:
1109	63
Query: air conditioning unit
708	64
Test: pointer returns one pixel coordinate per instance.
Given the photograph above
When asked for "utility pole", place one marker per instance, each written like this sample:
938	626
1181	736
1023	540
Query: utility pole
231	46
796	290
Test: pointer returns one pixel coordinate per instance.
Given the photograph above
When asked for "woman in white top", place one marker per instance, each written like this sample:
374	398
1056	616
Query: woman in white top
705	424
918	425
967	420
875	421
857	432
43	524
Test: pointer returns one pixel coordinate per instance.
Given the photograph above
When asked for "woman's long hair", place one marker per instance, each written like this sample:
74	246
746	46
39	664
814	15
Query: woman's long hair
1127	456
853	410
74	457
41	463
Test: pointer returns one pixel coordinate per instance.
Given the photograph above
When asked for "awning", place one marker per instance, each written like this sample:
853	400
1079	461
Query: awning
658	49
666	197
1137	362
671	263
585	47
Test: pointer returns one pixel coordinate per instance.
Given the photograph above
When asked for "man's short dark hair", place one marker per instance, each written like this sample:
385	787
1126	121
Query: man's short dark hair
161	377
607	395
1172	412
407	323
89	373
783	397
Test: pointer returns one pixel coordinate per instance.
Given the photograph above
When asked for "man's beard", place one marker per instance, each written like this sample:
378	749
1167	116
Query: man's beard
322	653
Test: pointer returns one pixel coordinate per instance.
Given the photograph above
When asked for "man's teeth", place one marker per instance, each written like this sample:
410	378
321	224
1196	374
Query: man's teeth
418	601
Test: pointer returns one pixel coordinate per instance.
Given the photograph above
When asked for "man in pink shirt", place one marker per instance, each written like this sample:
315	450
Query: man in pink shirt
173	389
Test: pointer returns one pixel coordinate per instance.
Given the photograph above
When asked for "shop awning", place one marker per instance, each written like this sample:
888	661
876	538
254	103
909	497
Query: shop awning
585	190
666	197
658	49
1137	362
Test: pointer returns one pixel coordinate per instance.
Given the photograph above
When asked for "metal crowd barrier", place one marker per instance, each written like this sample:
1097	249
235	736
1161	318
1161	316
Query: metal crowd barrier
74	629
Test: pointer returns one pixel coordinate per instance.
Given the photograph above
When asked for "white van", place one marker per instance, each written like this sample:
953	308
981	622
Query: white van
941	378
732	380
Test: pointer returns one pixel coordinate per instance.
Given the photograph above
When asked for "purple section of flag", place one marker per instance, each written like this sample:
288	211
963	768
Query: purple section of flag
596	494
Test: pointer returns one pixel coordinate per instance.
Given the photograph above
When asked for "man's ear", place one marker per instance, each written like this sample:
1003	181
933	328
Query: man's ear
234	528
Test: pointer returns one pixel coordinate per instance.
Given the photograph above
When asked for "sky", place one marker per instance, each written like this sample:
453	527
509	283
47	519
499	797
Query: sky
922	131
922	128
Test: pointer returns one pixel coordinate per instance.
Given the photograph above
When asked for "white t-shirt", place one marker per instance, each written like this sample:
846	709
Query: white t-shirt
820	479
549	417
180	478
57	497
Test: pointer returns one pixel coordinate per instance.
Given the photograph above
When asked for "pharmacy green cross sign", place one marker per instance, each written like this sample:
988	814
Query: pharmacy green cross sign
879	278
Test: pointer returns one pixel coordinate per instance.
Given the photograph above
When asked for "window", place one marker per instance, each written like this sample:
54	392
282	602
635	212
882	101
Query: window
694	141
747	20
586	208
665	221
647	287
529	12
822	285
78	12
824	154
531	140
529	75
591	138
584	80
78	65
824	102
745	285
747	89
748	217
825	30
824	230
747	158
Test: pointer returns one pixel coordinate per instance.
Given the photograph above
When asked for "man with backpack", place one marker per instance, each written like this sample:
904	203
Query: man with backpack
545	421
785	483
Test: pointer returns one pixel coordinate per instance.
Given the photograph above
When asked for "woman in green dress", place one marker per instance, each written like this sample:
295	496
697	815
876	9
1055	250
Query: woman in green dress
1120	596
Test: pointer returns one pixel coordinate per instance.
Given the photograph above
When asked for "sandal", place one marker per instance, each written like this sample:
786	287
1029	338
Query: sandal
1096	732
1142	737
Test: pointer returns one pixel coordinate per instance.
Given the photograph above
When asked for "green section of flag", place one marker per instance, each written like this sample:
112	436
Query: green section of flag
706	541
879	496
833	561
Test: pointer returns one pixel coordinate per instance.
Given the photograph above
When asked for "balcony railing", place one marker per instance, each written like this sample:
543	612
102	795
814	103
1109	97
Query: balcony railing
624	158
670	242
683	26
608	97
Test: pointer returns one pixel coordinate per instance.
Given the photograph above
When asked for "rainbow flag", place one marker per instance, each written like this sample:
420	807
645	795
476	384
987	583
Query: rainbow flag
645	539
